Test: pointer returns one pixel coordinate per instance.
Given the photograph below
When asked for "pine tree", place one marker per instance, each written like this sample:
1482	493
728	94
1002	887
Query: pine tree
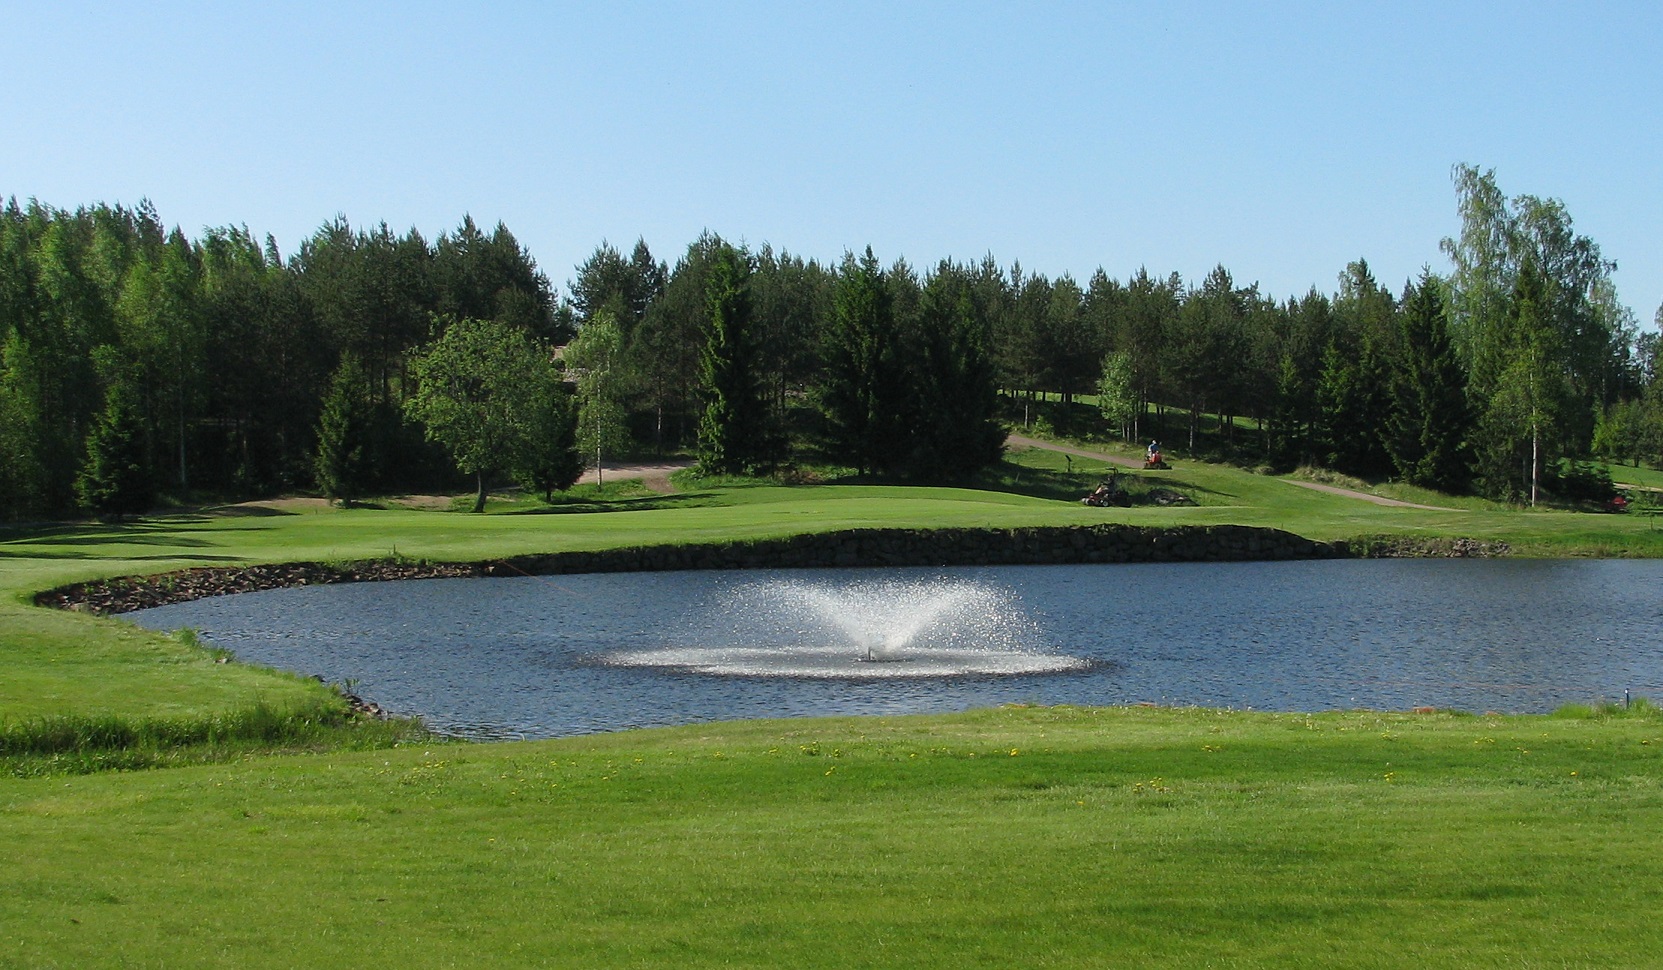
952	422
733	433
341	465
862	393
1427	431
115	479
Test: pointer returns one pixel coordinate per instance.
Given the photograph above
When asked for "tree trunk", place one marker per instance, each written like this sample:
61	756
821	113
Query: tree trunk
1535	463
479	496
600	474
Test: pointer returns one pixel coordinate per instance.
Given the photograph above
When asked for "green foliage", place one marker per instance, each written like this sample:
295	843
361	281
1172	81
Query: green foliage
548	460
1313	379
1520	426
1579	481
1537	325
951	426
116	479
734	437
1117	398
1428	427
595	356
482	388
1620	431
661	353
341	466
22	477
861	391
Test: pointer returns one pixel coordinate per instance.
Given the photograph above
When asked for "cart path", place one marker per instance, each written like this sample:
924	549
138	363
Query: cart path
1025	442
1376	499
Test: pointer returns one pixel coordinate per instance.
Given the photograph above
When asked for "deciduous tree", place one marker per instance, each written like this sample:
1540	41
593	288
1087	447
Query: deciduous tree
595	358
476	394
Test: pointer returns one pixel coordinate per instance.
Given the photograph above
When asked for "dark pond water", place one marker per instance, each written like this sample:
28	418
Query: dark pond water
544	657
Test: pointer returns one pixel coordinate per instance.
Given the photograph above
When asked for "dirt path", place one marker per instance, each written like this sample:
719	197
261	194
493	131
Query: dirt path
1025	442
1376	499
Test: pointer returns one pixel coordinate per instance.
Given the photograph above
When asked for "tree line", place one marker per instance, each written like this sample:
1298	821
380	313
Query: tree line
134	359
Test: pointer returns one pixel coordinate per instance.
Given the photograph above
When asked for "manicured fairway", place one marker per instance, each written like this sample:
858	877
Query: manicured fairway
51	662
1014	837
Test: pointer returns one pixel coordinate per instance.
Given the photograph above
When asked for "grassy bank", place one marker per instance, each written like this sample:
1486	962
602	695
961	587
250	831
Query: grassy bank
1028	837
1012	837
54	663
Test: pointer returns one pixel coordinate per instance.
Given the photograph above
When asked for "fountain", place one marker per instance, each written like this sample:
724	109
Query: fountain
906	628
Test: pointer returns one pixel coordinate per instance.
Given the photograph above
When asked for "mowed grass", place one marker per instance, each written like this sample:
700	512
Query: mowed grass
1050	837
54	663
1009	837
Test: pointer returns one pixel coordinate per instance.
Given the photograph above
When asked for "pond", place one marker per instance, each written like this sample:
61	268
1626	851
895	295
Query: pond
553	656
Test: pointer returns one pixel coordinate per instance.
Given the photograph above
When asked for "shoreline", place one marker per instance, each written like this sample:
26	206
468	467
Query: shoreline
1105	544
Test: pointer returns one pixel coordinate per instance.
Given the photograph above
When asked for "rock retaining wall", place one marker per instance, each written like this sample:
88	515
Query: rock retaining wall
860	547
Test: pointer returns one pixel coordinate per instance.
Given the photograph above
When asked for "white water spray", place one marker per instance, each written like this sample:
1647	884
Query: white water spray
866	630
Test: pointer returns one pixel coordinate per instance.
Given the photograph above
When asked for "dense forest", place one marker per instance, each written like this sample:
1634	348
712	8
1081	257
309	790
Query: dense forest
137	363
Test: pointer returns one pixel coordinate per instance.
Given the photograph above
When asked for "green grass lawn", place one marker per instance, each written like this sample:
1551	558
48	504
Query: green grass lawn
1011	837
56	662
1640	475
1027	837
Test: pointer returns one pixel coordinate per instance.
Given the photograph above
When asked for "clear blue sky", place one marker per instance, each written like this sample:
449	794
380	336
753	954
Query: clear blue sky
1279	139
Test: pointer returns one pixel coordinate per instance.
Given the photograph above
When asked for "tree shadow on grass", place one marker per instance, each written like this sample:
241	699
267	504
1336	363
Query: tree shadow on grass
1061	485
1179	484
172	530
183	557
243	512
644	503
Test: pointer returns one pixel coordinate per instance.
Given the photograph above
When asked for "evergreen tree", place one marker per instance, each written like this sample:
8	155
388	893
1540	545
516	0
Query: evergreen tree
1144	333
953	422
115	479
22	477
733	435
1365	320
1289	427
1205	345
341	467
861	392
1351	399
661	357
790	302
1429	423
